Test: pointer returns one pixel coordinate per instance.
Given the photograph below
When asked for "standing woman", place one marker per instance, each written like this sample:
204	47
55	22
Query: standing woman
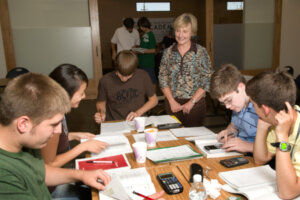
57	152
147	58
184	74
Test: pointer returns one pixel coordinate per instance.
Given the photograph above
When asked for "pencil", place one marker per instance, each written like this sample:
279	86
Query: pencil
141	195
229	135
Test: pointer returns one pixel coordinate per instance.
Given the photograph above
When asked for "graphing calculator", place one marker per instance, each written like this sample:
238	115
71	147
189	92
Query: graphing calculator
170	183
234	162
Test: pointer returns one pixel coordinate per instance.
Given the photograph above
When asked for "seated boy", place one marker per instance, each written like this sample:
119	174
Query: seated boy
273	95
228	86
32	107
122	93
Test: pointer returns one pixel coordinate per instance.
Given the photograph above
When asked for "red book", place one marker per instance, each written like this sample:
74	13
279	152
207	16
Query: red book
105	163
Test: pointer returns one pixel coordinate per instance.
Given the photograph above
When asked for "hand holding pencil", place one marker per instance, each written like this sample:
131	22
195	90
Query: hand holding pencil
156	196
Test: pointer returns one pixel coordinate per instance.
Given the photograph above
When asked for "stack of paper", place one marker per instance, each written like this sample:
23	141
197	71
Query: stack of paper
161	119
169	154
117	144
255	183
137	180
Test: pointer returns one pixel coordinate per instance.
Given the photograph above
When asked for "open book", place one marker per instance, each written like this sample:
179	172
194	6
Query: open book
202	143
116	128
117	144
161	119
254	183
138	180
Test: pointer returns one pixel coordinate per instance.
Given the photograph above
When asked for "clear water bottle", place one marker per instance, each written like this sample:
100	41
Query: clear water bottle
197	191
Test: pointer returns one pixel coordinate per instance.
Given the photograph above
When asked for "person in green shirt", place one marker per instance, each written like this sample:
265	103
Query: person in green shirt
148	43
32	107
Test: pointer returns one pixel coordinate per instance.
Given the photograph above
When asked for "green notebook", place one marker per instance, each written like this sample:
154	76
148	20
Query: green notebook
174	153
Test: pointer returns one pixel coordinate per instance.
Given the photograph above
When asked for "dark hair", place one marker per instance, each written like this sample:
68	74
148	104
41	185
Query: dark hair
144	22
127	62
69	77
273	89
225	80
128	22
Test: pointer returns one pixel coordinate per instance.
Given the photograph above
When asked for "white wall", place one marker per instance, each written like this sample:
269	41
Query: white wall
3	70
290	35
51	32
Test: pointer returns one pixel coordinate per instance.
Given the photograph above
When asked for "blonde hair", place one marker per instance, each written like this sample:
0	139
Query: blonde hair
184	19
34	95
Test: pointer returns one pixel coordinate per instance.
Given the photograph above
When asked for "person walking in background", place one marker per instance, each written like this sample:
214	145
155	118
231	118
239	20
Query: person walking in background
147	57
184	74
124	38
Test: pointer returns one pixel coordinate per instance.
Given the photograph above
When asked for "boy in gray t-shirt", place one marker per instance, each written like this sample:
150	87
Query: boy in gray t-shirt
123	93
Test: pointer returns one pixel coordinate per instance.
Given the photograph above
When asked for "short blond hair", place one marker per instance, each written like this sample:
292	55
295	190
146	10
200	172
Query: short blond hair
184	19
127	62
34	95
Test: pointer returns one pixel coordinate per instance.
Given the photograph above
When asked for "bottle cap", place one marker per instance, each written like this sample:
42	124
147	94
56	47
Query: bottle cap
197	178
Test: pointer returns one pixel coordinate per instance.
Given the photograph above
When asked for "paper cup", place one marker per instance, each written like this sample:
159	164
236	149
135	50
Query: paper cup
140	150
151	134
140	124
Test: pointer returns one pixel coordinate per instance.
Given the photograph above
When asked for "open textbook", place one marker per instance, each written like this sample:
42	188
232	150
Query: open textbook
116	128
138	180
256	183
161	136
116	143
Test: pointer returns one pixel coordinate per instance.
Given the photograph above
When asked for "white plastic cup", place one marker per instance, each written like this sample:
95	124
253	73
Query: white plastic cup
140	124
140	151
150	135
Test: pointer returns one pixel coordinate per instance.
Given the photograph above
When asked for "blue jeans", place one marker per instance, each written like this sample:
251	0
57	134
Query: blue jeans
71	192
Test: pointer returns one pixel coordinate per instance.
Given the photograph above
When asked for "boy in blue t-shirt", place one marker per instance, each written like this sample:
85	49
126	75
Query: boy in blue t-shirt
228	86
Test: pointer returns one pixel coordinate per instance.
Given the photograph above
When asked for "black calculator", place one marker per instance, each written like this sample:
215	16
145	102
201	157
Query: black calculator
170	183
234	162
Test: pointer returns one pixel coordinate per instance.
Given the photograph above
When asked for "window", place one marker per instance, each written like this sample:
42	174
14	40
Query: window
236	5
152	6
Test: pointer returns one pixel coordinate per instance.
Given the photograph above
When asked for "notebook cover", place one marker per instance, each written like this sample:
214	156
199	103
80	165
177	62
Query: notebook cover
119	162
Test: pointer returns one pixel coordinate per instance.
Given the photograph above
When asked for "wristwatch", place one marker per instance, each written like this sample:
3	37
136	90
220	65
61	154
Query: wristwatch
283	146
193	100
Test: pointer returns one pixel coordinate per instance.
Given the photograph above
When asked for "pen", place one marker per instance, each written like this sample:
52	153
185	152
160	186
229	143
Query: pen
229	135
99	161
141	195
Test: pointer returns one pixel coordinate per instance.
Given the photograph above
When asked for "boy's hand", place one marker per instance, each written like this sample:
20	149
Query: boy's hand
99	117
80	135
131	116
92	177
222	135
284	122
93	146
158	195
237	144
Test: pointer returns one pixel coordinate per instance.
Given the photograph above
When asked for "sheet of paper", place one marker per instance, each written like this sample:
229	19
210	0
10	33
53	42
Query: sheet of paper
194	131
161	136
168	154
114	190
115	128
210	137
118	144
